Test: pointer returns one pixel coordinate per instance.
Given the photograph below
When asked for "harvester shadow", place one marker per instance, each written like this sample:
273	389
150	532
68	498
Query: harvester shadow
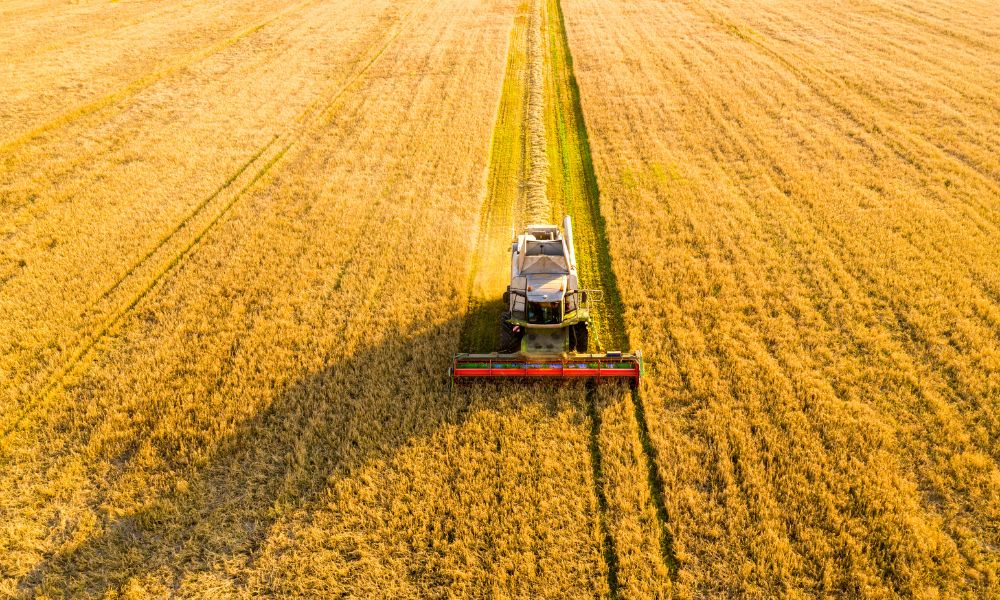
312	433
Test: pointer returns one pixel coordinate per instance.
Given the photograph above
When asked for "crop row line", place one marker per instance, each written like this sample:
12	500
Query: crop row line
27	211
907	153
948	32
118	25
288	138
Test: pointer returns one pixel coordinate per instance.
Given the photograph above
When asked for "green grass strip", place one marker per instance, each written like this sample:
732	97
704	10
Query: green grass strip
490	271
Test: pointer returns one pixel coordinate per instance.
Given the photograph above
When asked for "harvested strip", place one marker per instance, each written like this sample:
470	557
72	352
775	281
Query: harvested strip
517	195
508	167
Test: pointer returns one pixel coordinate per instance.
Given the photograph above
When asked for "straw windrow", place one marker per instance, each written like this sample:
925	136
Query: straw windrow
536	204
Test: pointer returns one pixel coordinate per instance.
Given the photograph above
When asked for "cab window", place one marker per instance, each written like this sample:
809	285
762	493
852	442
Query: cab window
544	313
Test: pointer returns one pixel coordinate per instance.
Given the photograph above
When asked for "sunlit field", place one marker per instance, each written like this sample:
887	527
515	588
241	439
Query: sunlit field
240	243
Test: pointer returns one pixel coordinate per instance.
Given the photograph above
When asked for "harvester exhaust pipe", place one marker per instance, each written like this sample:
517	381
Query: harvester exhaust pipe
568	234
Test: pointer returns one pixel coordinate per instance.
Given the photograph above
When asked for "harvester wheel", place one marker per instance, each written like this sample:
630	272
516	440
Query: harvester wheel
506	298
510	340
581	337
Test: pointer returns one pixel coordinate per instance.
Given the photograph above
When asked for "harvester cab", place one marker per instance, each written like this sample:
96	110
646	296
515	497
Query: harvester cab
545	327
546	312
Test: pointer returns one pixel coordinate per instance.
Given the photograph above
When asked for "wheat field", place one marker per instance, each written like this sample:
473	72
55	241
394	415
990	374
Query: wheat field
813	190
239	243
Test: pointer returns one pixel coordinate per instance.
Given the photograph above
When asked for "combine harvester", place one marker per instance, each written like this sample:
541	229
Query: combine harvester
544	331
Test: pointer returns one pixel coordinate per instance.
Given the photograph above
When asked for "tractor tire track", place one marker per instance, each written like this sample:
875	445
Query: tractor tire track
315	114
597	465
76	359
300	123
